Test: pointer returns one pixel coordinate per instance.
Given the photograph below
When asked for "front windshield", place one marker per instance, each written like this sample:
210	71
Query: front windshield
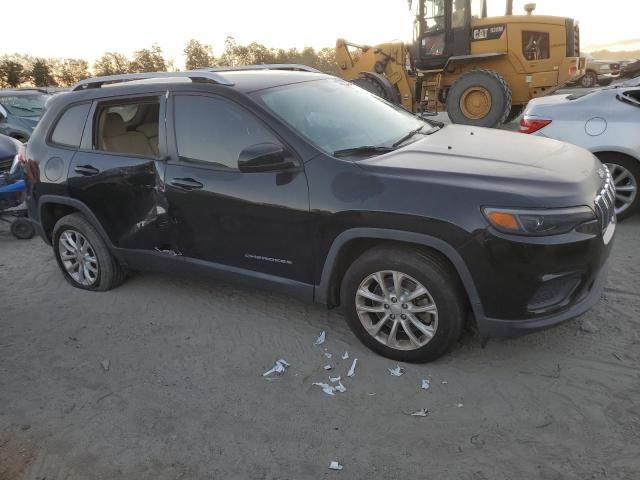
30	105
336	115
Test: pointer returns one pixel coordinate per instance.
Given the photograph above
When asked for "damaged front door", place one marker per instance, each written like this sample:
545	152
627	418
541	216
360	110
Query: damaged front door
118	173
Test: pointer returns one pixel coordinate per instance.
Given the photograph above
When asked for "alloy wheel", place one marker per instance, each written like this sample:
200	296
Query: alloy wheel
397	310
626	187
78	257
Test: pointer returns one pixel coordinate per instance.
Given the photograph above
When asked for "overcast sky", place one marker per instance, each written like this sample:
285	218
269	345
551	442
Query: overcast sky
84	29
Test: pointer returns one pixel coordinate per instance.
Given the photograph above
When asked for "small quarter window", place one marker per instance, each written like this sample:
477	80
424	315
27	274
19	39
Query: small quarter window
68	130
128	128
535	45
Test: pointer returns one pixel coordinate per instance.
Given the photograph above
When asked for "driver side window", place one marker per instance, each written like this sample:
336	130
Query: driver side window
214	130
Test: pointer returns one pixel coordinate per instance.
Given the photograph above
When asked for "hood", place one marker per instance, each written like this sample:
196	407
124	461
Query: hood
27	122
536	170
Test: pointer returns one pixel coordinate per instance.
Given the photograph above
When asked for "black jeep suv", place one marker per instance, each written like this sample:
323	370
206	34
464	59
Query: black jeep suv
286	178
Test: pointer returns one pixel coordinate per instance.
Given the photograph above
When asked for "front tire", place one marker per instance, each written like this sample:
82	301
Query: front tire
83	256
589	80
404	303
626	175
481	98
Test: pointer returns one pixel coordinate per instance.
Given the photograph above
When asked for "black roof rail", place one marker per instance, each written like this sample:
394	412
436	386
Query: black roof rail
265	66
204	75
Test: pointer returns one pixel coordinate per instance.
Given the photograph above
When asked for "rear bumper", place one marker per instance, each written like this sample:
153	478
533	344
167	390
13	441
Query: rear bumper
491	327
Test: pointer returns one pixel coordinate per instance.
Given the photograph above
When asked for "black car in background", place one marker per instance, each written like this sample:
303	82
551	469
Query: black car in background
297	181
20	111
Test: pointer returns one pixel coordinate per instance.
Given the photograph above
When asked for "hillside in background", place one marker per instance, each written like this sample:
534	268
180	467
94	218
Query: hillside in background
620	55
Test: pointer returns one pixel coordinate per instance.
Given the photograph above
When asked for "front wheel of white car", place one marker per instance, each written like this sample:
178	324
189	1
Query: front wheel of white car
626	176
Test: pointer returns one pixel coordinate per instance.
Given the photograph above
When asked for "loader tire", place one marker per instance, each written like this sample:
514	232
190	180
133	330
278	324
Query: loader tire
481	98
372	85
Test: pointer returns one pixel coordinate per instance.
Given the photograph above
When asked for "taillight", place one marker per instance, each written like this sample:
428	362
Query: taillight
532	125
19	160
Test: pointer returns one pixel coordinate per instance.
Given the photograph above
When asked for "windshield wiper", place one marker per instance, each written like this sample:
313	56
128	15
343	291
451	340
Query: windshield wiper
362	150
415	132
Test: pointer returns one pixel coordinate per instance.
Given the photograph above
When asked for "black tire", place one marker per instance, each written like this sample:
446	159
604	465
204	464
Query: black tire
371	85
516	111
432	272
633	167
22	228
110	273
589	80
491	82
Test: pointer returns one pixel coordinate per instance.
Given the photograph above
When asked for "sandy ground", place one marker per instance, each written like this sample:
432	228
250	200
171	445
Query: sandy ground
184	395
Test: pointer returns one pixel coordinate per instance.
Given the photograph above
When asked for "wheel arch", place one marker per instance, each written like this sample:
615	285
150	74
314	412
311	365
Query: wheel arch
52	208
615	150
350	244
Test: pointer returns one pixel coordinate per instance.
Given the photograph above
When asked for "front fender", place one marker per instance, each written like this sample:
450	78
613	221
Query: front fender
322	291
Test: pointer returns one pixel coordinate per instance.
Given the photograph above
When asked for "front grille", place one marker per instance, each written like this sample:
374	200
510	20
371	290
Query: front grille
5	164
605	201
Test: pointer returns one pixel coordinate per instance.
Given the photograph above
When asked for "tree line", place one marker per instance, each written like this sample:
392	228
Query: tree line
24	70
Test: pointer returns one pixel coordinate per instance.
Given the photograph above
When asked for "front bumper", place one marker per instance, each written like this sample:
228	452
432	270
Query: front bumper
491	327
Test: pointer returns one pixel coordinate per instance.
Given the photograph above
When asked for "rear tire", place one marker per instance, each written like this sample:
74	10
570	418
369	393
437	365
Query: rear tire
627	172
103	272
481	98
436	333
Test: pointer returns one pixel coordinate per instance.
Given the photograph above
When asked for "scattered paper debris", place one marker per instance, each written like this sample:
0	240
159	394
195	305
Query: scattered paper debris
335	379
105	365
279	368
426	384
335	466
340	387
352	370
328	355
345	356
423	412
396	372
371	394
459	405
326	388
444	382
327	367
321	338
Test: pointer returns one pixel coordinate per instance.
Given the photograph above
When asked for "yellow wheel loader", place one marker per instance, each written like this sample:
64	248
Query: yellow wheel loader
482	70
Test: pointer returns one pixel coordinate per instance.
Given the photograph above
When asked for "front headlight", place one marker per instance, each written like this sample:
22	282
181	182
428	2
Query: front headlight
538	222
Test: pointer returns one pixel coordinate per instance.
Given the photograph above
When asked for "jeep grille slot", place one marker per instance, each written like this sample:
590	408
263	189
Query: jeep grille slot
605	201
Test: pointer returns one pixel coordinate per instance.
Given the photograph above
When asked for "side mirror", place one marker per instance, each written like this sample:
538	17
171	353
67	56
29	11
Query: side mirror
264	157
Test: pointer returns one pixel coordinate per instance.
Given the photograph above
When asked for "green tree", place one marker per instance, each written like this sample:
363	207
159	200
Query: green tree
111	63
12	73
198	55
41	73
71	70
148	60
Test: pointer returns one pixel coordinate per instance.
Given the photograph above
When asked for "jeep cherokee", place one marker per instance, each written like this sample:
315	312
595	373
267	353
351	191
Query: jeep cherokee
282	177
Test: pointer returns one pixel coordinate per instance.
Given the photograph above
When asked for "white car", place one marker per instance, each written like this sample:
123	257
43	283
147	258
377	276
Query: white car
605	121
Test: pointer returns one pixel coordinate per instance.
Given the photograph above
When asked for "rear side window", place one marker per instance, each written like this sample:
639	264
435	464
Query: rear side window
215	130
128	128
68	130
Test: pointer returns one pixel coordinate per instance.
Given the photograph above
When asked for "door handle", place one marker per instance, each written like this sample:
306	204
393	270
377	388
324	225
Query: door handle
86	170
186	183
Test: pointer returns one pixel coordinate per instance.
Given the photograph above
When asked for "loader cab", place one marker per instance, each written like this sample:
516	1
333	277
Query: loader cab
442	29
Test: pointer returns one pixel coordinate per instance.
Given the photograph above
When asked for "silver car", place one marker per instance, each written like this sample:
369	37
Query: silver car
605	121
